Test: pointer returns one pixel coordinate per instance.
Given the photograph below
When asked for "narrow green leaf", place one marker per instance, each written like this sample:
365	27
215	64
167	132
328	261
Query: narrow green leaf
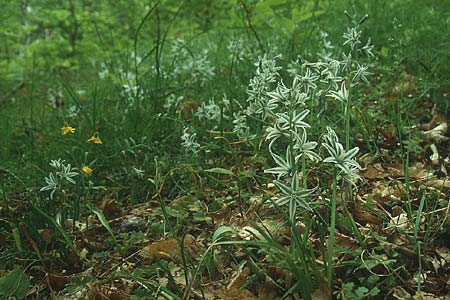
219	171
101	217
222	231
58	227
419	215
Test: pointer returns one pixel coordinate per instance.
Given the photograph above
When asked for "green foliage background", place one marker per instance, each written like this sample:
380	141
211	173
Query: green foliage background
61	47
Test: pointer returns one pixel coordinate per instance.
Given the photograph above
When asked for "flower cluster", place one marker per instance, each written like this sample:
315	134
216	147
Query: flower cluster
285	106
239	49
344	160
189	143
294	195
241	128
209	111
66	129
196	69
260	86
290	126
173	102
95	139
131	94
63	173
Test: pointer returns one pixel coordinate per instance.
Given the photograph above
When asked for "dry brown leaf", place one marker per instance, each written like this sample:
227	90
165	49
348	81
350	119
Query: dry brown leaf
396	170
364	216
183	200
108	207
73	259
56	282
429	296
46	235
118	295
275	228
400	221
235	294
222	216
444	254
400	294
375	171
382	192
420	171
169	249
274	271
98	292
323	291
268	291
239	278
438	183
188	109
345	241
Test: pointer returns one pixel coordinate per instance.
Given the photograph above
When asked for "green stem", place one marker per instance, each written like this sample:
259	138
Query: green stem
332	231
349	216
304	171
347	123
419	274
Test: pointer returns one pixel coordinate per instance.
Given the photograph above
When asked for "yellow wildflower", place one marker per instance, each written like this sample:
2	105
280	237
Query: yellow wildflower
95	139
66	129
87	170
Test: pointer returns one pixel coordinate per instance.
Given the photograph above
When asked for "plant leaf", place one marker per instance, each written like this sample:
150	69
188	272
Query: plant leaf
222	231
101	217
14	284
220	171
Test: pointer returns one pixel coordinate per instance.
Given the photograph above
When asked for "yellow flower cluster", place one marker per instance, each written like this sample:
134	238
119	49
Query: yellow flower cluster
95	138
66	129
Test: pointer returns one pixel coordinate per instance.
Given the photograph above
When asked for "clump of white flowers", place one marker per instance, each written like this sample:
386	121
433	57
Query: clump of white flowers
284	106
72	111
194	68
173	102
238	49
344	160
209	111
131	94
189	143
63	174
241	128
55	98
290	127
260	85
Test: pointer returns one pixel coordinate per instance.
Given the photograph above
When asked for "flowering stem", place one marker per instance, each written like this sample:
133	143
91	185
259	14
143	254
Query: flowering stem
347	123
332	231
304	171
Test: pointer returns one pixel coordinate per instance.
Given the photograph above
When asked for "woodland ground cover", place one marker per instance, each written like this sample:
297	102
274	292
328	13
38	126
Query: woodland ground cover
224	149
